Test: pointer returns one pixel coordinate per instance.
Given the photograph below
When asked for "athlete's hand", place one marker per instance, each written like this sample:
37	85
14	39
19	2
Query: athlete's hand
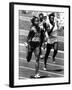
26	45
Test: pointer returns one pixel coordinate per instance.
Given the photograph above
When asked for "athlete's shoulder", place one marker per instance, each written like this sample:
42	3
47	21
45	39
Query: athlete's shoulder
41	25
33	28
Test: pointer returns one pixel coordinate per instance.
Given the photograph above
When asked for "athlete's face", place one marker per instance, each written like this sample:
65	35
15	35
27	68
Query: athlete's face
41	17
52	18
45	18
36	22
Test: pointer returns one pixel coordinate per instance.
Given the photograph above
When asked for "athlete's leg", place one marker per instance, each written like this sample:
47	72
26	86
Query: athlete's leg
29	53
42	40
55	46
40	49
41	55
47	54
37	56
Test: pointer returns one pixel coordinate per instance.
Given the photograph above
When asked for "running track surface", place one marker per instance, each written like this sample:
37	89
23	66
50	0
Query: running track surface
26	70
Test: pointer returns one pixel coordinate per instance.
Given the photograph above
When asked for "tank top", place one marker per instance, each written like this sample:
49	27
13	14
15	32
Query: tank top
41	25
37	33
53	36
54	32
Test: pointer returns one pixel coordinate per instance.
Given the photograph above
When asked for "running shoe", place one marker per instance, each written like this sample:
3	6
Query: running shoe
44	69
37	76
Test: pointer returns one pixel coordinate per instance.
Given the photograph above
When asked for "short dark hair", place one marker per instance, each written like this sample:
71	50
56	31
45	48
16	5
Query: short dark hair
33	19
41	14
52	14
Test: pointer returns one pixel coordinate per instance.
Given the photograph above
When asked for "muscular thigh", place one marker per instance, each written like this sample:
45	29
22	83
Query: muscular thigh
37	51
55	45
29	50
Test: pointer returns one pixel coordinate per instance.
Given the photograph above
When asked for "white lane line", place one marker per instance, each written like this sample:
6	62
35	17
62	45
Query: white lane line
41	71
23	32
22	44
57	58
58	51
23	77
49	56
43	63
24	18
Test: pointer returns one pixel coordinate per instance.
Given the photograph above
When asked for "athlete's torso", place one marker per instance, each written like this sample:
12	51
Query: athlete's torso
55	29
37	34
53	35
41	25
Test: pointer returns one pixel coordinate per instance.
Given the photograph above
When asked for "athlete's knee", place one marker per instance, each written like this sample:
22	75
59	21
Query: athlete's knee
37	58
28	57
56	46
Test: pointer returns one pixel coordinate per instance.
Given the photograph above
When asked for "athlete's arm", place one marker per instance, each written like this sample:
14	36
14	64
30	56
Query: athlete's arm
30	35
51	29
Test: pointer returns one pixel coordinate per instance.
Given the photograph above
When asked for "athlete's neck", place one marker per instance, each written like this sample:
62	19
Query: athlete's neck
41	20
51	22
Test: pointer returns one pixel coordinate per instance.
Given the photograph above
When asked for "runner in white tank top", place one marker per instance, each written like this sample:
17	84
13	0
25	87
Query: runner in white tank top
51	37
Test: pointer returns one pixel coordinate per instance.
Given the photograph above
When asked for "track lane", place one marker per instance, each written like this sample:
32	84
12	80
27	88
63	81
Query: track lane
58	60
51	68
28	72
